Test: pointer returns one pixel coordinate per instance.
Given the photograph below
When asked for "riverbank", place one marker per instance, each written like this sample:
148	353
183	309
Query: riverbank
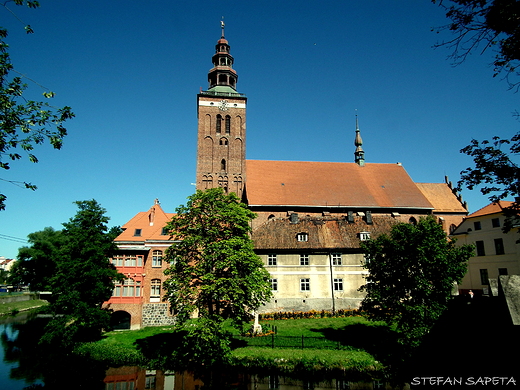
10	308
346	357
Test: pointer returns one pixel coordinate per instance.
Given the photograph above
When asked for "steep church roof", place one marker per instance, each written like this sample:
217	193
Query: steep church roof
442	198
331	184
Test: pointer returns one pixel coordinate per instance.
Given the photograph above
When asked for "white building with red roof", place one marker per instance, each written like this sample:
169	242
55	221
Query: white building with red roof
496	253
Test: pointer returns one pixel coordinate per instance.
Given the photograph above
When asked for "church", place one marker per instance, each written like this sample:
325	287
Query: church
311	215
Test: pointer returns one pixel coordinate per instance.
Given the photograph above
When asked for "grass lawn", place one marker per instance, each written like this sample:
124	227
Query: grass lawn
14	307
119	347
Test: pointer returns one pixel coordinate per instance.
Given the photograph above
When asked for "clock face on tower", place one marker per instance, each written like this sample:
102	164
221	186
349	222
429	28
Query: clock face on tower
223	105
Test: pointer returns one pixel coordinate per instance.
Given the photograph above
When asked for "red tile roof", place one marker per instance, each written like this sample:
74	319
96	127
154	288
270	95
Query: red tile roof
441	197
303	183
151	224
492	208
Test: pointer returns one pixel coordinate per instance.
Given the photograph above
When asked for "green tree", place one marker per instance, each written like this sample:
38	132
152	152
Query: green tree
24	123
84	277
481	25
215	272
36	263
496	173
412	272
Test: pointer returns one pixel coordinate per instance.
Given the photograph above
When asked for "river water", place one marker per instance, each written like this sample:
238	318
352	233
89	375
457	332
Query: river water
20	369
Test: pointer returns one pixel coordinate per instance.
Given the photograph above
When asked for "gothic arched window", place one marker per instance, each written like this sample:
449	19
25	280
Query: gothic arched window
228	124
223	165
219	123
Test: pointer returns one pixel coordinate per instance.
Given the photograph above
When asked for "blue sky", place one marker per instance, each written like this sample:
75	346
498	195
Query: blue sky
131	71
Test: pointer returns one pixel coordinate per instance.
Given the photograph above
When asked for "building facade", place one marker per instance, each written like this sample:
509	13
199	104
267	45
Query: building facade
496	253
138	301
312	216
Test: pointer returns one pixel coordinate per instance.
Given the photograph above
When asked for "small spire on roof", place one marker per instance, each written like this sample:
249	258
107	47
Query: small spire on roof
222	25
359	154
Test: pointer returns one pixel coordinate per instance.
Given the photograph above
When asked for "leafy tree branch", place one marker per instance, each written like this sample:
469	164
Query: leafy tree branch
24	123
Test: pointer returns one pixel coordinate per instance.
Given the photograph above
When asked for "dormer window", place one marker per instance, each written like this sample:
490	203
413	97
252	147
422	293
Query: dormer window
364	236
137	232
302	237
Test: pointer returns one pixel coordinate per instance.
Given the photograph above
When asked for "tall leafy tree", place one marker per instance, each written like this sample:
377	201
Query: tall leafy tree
412	272
496	173
482	25
215	272
24	123
84	276
36	263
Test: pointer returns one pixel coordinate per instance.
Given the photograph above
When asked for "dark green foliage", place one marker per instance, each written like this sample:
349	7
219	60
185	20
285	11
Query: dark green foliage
83	278
214	271
196	343
496	173
37	263
412	272
484	24
24	123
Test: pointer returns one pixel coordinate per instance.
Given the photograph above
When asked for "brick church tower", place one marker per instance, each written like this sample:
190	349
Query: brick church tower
221	113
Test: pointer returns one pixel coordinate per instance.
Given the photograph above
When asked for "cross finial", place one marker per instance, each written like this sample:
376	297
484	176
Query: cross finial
222	25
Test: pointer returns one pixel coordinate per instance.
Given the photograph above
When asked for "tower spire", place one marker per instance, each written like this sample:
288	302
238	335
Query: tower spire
359	154
222	77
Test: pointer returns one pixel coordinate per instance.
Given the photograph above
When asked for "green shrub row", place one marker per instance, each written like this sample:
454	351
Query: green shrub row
111	354
295	315
354	364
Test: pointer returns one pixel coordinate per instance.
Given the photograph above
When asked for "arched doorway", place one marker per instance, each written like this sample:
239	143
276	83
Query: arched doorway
120	320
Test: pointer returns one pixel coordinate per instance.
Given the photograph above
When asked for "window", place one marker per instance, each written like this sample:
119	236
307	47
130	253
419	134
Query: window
366	258
336	258
137	289
412	221
304	259
223	141
364	236
480	248
495	222
157	259
302	237
117	260
484	277
165	232
139	261
499	246
117	291
219	123
223	165
271	259
137	232
305	284
155	288
228	124
128	288
477	225
130	261
502	271
274	284
338	284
